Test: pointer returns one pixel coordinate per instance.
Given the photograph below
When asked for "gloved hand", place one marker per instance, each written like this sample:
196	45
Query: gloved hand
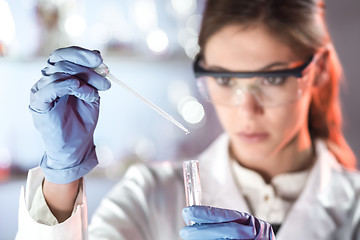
65	107
217	223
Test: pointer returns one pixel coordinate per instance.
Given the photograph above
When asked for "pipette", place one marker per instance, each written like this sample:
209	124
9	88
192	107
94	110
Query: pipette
104	71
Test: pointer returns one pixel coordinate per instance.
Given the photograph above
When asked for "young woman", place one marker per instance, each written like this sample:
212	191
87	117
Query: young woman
272	74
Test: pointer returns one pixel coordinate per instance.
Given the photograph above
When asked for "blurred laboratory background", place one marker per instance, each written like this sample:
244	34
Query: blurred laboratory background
149	45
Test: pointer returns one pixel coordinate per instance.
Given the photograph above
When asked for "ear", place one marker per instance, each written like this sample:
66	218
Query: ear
321	69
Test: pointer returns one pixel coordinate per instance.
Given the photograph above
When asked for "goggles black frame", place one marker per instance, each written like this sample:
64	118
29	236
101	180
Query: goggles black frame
199	71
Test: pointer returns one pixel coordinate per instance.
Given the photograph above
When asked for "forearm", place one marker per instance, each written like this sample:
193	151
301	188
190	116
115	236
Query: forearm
61	198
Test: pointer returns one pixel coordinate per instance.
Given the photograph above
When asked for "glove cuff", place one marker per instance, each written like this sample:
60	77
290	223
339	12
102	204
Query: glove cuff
70	174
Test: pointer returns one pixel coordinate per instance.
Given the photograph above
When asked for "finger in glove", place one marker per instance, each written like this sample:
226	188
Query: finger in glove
206	214
44	99
208	231
86	74
77	55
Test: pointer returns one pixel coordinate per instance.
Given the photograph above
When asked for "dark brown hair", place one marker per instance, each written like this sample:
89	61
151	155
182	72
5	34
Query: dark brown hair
301	25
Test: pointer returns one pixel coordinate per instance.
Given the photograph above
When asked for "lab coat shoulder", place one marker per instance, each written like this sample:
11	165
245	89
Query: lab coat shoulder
145	204
341	201
329	206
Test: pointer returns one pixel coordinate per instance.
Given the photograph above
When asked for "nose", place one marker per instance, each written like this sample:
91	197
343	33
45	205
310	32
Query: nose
246	103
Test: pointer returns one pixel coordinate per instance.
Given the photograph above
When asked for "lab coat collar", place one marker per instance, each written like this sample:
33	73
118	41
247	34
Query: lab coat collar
219	188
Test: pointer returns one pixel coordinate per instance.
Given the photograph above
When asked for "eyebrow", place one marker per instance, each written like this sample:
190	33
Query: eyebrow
271	65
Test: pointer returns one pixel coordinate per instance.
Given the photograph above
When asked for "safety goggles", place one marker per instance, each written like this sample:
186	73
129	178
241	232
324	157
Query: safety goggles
270	88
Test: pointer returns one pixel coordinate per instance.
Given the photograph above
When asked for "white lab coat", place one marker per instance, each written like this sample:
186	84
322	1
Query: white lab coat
147	203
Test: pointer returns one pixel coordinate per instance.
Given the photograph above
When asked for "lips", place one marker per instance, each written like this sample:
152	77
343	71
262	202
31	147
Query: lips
253	137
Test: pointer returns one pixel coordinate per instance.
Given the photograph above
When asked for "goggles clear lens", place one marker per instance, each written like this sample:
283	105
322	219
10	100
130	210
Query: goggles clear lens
268	91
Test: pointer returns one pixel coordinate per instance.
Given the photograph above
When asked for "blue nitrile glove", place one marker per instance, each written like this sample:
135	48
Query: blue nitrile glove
217	223
65	107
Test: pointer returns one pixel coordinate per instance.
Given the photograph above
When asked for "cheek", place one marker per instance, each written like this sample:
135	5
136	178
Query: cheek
226	117
280	122
286	121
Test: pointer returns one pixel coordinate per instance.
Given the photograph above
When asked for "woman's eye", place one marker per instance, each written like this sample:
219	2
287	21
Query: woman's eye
274	80
224	81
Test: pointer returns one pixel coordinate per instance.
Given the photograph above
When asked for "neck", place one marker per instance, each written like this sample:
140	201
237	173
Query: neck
296	155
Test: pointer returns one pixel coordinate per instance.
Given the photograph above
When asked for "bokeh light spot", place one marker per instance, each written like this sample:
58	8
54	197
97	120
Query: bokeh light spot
157	41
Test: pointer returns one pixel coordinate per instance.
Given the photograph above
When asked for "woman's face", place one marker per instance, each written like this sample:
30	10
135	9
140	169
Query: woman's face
257	132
